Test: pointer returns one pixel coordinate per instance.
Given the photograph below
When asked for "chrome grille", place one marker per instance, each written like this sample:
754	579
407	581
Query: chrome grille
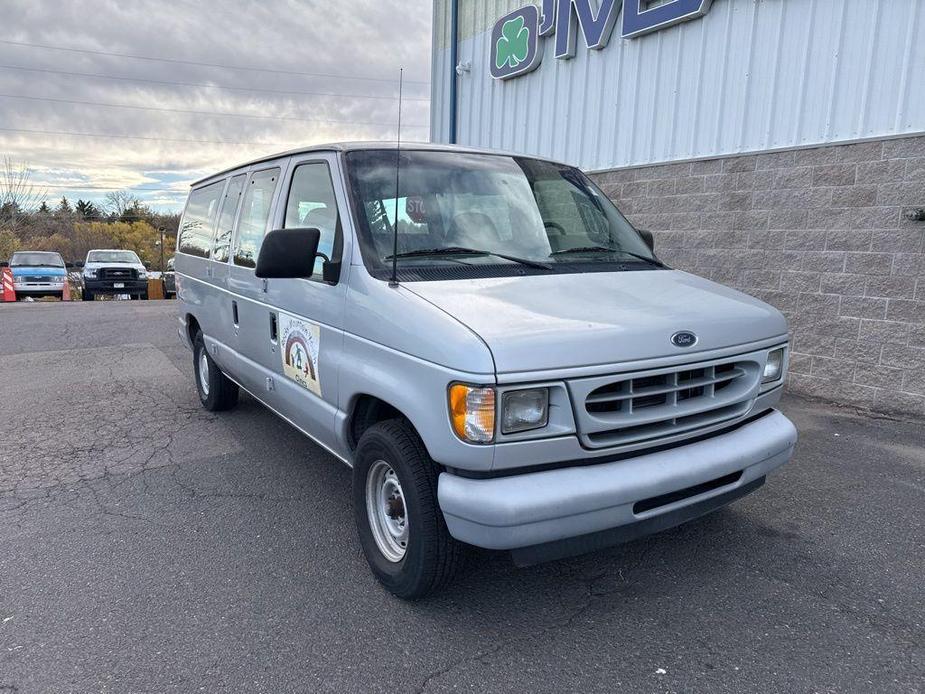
650	405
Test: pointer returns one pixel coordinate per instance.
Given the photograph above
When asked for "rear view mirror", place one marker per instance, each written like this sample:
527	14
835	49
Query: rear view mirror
648	238
288	254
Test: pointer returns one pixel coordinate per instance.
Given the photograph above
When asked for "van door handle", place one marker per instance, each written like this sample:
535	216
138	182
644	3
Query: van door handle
274	329
234	313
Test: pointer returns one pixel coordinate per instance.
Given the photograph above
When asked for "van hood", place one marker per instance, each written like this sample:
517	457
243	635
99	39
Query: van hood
544	322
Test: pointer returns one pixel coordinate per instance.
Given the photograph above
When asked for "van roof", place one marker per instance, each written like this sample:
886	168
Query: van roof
357	146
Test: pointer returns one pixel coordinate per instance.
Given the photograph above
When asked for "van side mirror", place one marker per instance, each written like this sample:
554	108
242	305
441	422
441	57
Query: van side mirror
648	238
288	254
79	264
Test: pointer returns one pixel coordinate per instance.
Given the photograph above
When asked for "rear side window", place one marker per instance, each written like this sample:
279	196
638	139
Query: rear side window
312	205
255	211
222	248
196	228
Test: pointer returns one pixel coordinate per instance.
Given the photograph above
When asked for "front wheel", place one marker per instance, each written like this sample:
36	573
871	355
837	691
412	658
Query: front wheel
216	391
400	525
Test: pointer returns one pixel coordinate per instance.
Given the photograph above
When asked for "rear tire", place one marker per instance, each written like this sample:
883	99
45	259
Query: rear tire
87	296
143	297
216	392
399	522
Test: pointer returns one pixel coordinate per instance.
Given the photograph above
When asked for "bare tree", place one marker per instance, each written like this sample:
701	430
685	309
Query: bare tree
18	194
119	201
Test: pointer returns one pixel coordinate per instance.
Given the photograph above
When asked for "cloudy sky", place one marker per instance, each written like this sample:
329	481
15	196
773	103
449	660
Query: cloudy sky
263	76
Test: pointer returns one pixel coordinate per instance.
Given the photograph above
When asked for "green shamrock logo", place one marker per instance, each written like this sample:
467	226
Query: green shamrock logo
514	44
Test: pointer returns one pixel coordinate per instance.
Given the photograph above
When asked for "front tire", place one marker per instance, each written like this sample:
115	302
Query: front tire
216	392
399	522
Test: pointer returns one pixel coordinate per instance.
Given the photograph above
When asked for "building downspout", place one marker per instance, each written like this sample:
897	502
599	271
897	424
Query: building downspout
454	61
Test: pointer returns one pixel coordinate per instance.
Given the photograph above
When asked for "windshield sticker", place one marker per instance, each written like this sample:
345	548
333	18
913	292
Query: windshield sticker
301	343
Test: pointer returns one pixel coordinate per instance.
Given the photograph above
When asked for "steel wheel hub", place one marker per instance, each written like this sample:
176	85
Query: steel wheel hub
204	372
386	511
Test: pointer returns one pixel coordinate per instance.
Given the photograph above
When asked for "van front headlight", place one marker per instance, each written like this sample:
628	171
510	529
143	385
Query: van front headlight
523	410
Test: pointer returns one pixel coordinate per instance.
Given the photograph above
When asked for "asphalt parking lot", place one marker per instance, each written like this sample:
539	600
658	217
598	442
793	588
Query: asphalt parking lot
149	546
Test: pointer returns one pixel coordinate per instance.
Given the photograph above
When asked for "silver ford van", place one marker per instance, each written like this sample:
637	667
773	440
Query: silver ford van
489	344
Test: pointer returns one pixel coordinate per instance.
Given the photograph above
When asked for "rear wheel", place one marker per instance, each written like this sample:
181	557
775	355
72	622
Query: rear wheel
400	525
87	295
216	391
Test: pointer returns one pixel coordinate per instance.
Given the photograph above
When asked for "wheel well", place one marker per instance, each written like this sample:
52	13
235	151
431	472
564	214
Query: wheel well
192	327
367	411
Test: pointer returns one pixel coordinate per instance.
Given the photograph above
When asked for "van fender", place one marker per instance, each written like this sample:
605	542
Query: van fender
416	388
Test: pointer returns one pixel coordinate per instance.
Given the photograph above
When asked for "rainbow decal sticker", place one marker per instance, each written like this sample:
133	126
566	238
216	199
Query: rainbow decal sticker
301	345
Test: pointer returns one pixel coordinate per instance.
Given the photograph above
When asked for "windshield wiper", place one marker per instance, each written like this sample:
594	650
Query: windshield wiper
605	249
459	250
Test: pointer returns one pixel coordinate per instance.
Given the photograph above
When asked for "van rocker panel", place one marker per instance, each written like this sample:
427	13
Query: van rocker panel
541	507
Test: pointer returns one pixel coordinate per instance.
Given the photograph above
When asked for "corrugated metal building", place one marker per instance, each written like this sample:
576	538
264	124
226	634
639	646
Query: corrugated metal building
774	145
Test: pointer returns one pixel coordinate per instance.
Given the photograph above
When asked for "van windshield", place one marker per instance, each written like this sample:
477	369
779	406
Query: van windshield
113	257
36	259
476	215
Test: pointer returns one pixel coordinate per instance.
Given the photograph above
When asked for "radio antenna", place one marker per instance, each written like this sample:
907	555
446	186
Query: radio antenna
393	282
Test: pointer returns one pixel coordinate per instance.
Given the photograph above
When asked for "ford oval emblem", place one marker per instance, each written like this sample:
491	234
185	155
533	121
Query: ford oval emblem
684	338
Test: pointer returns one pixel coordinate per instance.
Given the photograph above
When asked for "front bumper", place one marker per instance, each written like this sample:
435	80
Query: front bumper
25	287
541	509
108	286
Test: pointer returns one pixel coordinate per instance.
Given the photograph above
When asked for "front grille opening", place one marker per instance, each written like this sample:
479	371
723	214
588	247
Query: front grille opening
689	393
600	407
672	497
649	401
648	381
607	398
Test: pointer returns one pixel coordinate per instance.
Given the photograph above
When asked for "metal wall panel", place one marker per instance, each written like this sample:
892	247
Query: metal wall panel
751	75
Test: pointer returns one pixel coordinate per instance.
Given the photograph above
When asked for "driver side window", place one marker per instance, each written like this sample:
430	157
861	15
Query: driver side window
313	205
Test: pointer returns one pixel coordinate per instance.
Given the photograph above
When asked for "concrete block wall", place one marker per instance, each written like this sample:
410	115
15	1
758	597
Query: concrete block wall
822	235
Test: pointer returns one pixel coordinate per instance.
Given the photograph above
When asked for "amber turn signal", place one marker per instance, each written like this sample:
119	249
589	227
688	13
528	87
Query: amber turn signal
472	412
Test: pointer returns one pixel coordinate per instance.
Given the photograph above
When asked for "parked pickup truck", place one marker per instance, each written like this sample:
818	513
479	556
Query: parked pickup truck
490	345
114	272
